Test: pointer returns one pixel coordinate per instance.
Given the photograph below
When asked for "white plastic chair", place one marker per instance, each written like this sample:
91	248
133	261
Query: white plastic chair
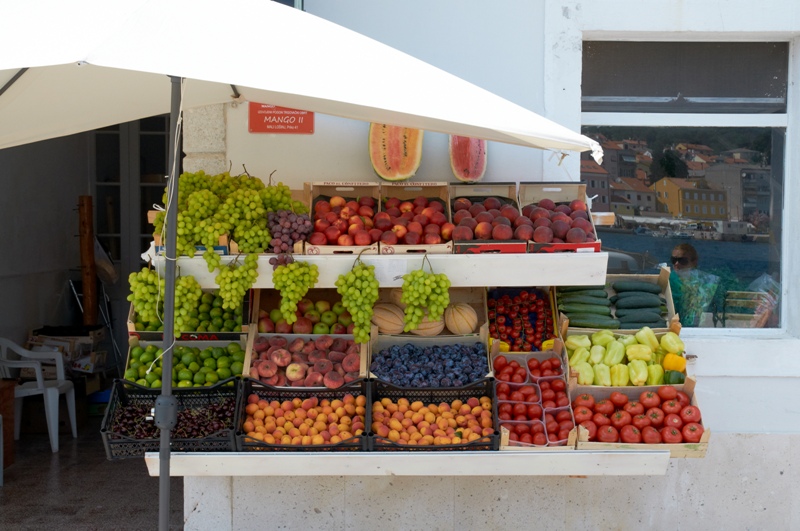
49	389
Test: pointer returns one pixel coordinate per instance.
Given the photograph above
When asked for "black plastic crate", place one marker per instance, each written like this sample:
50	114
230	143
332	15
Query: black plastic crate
125	393
267	392
430	395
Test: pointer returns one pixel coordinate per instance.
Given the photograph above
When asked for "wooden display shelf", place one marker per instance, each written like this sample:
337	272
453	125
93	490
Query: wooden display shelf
567	463
546	269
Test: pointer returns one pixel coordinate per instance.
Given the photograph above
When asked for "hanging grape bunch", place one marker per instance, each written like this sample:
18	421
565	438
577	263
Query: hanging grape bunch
234	280
293	280
359	291
287	228
147	295
424	293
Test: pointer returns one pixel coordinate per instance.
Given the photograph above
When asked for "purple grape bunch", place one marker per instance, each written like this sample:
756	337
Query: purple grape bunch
286	229
280	259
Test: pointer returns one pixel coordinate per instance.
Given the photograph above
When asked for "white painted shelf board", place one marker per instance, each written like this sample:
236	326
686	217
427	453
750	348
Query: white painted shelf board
544	269
511	463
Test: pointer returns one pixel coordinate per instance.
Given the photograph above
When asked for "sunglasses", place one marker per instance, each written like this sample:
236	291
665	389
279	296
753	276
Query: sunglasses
682	260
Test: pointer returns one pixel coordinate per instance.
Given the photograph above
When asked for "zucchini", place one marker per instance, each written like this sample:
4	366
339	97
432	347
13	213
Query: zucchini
583	299
577	307
640	317
639	302
637	326
624	312
636	285
587	292
593	322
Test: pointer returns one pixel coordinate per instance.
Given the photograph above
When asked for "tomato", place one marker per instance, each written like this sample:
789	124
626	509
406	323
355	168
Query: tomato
500	362
640	421
503	388
585	400
504	416
591	427
526	438
608	434
692	432
502	396
522	371
618	399
672	406
558	385
671	435
520	418
537	427
690	414
516	378
634	407
544	386
505	407
566	425
556	362
667	392
620	419
551	427
513	437
683	398
522	428
649	399
540	439
656	416
582	413
630	434
563	415
549	404
650	435
536	374
600	419
519	409
563	435
548	417
514	364
534	411
605	407
527	391
673	421
546	365
548	394
533	364
516	396
562	401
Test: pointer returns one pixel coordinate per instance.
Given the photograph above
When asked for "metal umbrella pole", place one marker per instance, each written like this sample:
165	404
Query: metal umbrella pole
166	410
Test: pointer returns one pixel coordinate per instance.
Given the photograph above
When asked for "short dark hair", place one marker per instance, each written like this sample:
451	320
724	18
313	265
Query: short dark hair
688	251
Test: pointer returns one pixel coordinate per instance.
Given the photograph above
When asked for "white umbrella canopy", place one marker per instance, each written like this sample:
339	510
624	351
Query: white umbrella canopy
94	63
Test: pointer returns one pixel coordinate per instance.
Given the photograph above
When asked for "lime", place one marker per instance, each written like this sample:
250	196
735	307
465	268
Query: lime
187	359
223	373
205	370
204	308
233	348
138	326
151	328
136	352
218	352
238	311
147	357
211	363
136	364
207	298
199	378
193	314
224	362
142	382
185	383
197	385
201	328
142	371
217	322
216	312
179	366
228	315
217	302
151	377
185	374
213	328
229	325
204	316
238	356
194	322
211	378
207	353
132	375
156	384
236	368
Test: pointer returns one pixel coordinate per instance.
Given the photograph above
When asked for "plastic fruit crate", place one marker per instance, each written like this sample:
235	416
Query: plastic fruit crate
126	394
430	395
266	392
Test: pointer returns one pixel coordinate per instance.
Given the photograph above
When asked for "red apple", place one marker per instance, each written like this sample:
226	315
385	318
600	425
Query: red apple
345	239
318	238
462	203
375	234
338	328
282	327
462	232
432	239
542	235
502	232
483	231
447	231
523	232
332	234
304	305
265	325
302	326
361	237
413	238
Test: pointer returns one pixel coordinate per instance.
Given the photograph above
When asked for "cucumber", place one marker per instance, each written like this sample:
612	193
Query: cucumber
637	326
593	322
587	292
636	285
583	299
580	288
576	307
626	294
625	312
638	302
640	317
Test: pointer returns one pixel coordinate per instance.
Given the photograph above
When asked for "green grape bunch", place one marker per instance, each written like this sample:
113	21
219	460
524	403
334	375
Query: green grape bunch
235	280
424	294
293	282
359	291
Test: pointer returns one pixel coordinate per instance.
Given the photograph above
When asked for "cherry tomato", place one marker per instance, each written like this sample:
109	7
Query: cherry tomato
540	439
582	413
500	362
601	420
534	412
591	427
630	434
634	407
618	399
656	416
585	400
671	435
558	385
545	365
620	419
650	435
607	434
650	399
683	398
556	362
673	421
690	414
667	392
671	406
692	432
605	407
640	421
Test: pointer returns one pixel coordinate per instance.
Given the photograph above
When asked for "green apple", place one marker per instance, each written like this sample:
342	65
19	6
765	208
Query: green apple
322	306
275	315
321	328
338	308
312	315
328	317
345	318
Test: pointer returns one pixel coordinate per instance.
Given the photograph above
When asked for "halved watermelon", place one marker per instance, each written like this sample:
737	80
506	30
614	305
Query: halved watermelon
468	158
395	152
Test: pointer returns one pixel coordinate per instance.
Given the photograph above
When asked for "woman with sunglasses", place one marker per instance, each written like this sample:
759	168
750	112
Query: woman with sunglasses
692	290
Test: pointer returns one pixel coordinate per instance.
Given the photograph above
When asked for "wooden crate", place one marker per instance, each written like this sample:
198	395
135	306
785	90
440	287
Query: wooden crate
507	193
324	190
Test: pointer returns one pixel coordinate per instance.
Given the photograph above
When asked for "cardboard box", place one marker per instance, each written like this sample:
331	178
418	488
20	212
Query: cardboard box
266	300
495	294
507	194
434	192
350	191
696	450
243	341
74	342
473	296
560	193
95	362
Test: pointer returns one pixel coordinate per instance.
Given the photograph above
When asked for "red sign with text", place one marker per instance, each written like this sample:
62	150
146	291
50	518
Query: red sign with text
265	118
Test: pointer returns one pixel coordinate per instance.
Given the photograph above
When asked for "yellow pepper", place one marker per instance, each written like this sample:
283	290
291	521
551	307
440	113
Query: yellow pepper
638	352
674	362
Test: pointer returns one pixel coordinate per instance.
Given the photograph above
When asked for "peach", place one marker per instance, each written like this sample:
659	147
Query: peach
523	232
502	232
389	238
576	235
483	231
476	209
548	204
462	203
560	229
457	217
484	216
492	203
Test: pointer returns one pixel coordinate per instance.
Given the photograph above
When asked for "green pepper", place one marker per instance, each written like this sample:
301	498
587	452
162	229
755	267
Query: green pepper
580	354
658	356
627	339
585	373
639	352
646	336
674	378
577	341
596	354
602	375
615	352
620	376
670	342
638	372
603	337
655	375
